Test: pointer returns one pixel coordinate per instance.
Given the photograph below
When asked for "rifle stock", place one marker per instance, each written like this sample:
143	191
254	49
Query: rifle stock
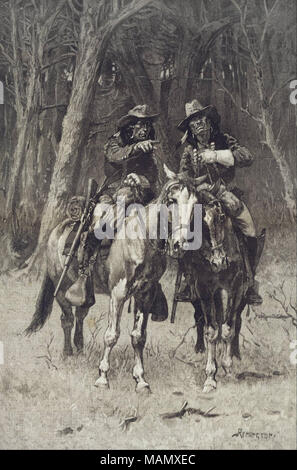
86	215
177	286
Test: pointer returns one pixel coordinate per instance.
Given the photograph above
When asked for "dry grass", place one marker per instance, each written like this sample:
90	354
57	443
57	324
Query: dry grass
50	403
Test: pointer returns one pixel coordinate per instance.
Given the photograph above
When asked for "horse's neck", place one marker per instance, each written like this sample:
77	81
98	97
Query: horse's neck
230	241
152	219
230	238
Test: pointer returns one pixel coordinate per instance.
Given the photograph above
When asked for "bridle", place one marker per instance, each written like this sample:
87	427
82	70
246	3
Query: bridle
221	213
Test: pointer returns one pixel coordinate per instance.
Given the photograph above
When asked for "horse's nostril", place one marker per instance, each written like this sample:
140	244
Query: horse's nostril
176	246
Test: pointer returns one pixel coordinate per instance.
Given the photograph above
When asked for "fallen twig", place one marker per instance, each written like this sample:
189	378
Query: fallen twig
175	414
189	411
48	357
127	421
182	340
282	303
189	363
256	375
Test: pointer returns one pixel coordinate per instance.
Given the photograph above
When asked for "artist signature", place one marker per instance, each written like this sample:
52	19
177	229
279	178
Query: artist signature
256	435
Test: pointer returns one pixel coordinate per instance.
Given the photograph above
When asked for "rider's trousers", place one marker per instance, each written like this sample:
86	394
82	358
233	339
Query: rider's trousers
238	211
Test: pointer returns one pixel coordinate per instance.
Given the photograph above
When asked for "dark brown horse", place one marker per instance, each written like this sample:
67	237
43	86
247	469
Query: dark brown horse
133	267
221	276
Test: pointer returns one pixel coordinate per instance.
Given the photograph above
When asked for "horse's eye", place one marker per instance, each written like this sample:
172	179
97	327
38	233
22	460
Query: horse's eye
171	200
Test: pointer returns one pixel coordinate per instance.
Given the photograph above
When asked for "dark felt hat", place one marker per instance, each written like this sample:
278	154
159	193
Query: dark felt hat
140	111
193	109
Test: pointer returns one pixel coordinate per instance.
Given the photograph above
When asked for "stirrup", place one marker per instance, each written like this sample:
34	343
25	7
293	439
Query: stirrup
184	295
252	295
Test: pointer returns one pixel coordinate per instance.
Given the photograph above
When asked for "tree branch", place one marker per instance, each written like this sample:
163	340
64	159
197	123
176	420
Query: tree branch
268	15
50	19
216	27
228	92
7	56
53	106
278	89
73	8
61	59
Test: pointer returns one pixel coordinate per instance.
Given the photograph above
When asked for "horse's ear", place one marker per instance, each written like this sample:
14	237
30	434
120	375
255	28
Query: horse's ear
170	174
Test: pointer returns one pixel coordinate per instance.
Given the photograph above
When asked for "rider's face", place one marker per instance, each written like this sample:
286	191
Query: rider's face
200	127
141	130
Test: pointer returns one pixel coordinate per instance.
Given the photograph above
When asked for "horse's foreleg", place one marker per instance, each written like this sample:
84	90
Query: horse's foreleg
67	320
211	333
80	315
199	322
229	324
138	338
112	333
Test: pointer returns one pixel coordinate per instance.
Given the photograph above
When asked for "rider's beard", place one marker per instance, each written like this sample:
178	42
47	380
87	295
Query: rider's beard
140	135
203	137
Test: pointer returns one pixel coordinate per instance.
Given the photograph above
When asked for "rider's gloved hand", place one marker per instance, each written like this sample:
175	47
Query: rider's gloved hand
208	156
132	180
145	146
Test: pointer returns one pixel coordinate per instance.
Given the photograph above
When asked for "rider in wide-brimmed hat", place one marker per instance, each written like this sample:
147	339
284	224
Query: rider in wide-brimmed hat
131	164
216	154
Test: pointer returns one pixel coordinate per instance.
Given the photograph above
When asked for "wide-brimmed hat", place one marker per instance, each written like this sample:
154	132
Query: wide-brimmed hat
140	111
193	109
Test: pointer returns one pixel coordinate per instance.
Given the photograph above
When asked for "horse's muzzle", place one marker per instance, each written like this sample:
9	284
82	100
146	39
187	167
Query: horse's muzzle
176	249
218	261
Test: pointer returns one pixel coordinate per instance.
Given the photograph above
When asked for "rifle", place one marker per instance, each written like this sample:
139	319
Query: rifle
176	289
92	197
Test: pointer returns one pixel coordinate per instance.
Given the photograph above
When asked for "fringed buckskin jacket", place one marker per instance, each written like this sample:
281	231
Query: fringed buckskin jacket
218	141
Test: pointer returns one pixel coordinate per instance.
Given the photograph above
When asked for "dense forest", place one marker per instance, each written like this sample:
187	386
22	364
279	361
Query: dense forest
71	68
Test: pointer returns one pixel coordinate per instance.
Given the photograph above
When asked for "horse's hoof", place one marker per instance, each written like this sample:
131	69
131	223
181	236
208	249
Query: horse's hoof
228	374
209	386
102	383
143	388
199	349
67	353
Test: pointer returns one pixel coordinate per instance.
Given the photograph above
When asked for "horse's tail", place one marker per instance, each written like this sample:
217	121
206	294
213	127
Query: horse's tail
44	305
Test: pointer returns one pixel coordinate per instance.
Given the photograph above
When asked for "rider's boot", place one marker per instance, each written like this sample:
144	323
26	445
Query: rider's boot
184	294
159	309
81	293
255	247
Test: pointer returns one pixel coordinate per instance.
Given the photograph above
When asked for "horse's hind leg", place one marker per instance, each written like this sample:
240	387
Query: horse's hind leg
113	330
138	338
199	321
80	315
211	334
67	320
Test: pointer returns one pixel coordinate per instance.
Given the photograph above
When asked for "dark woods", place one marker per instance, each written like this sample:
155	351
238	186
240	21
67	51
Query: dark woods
71	68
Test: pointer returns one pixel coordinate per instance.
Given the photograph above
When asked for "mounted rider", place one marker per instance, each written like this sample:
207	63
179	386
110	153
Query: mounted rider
131	164
209	151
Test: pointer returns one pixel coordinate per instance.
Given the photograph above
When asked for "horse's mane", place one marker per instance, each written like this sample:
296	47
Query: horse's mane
180	179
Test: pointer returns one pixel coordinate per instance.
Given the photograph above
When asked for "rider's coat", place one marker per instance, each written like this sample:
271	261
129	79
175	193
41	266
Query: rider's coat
122	158
190	165
242	158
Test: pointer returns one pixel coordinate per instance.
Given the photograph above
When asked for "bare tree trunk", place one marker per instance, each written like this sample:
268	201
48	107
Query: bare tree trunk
92	48
21	195
26	149
284	169
141	88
